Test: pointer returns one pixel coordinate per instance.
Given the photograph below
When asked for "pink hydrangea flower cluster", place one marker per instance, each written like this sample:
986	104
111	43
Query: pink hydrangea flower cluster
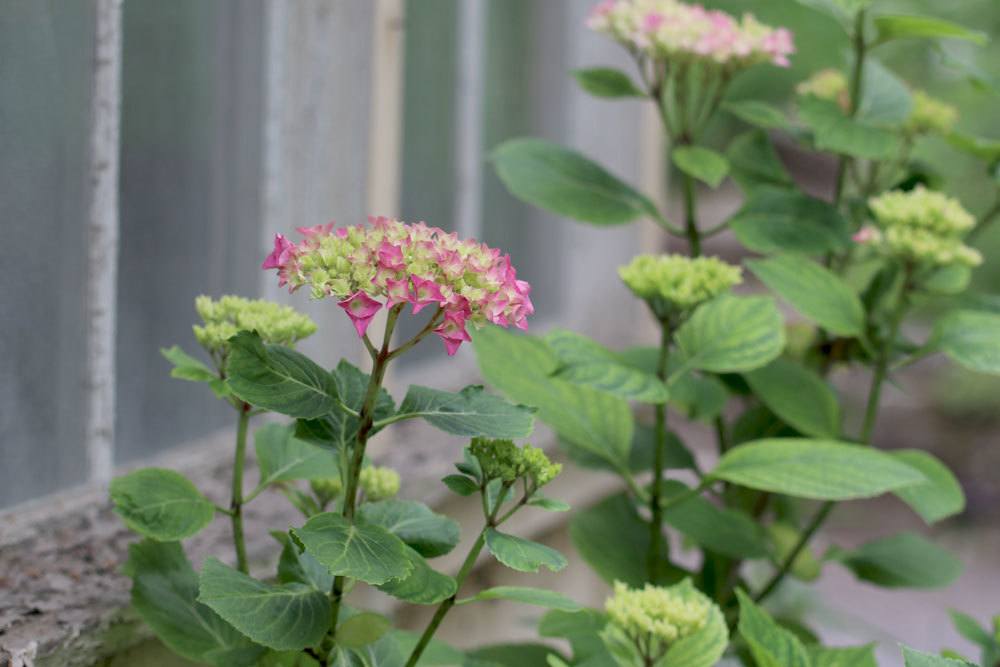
387	263
671	29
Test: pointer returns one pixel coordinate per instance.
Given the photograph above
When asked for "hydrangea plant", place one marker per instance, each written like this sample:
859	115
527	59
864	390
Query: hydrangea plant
355	531
853	269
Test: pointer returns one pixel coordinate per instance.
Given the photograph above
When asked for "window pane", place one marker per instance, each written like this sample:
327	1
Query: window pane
190	182
46	59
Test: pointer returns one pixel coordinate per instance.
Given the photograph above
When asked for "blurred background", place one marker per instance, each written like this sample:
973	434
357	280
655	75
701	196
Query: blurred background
237	119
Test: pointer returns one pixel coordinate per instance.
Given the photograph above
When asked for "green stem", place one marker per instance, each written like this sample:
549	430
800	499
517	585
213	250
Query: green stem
867	430
236	499
857	76
655	554
690	216
984	221
367	417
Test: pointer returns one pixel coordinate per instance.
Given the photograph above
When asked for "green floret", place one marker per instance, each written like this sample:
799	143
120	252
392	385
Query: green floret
655	617
682	282
930	115
502	459
379	483
826	84
229	315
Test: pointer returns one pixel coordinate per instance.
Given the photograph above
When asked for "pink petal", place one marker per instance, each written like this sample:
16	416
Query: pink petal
361	308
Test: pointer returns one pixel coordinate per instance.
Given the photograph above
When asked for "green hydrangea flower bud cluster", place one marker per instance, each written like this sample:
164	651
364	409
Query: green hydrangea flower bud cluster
924	227
827	84
327	488
502	459
275	323
656	617
930	116
379	483
682	283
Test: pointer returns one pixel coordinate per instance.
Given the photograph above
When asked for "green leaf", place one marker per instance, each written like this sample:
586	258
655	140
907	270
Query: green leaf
835	132
842	656
424	584
948	280
282	457
297	566
818	469
613	521
697	396
799	396
568	184
588	363
770	644
340	428
460	484
285	617
704	647
904	560
512	655
581	628
189	368
164	593
970	338
523	555
356	550
885	98
437	653
470	412
755	163
781	220
548	504
606	82
937	498
278	378
900	26
913	658
722	530
702	163
538	597
161	504
732	334
676	455
430	534
520	366
362	629
971	630
814	291
757	113
984	148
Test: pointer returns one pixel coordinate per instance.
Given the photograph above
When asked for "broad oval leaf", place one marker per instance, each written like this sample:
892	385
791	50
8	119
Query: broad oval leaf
835	132
362	629
770	644
283	457
903	26
814	291
165	594
424	584
613	521
460	484
470	412
702	163
284	617
520	366
800	397
914	658
339	428
278	378
885	98
937	498
297	566
818	469
755	163
904	560
760	114
722	530
970	338
523	555
161	504
538	597
430	534
586	362
606	82
566	183
704	647
581	629
357	550
732	334
783	220
842	656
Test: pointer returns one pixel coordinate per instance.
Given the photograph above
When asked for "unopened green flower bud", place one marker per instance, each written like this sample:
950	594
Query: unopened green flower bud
538	466
499	459
682	282
930	115
655	617
924	227
379	483
275	323
326	489
827	84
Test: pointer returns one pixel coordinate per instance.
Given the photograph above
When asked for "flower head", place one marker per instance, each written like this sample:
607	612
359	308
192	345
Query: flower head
275	323
326	488
680	283
930	116
673	30
827	84
655	617
924	227
387	263
502	459
379	483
